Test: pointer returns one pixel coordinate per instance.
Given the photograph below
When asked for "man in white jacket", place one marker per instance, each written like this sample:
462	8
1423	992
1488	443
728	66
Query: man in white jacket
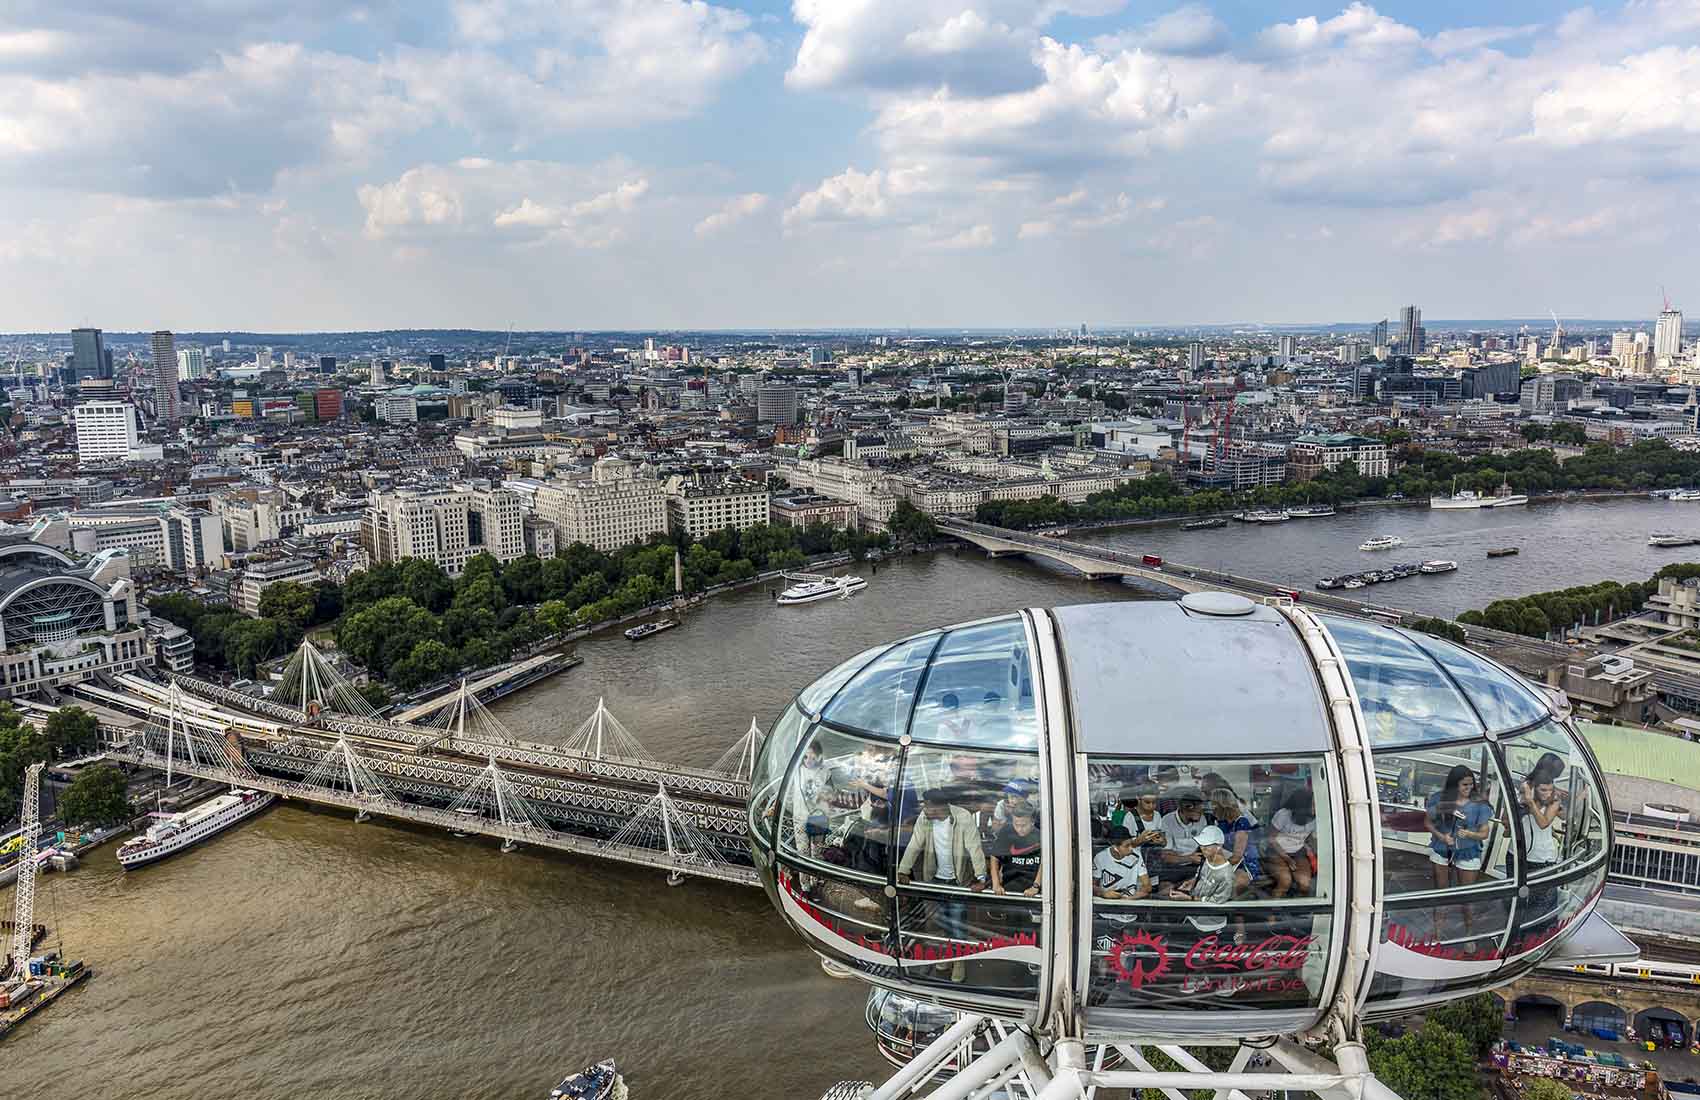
946	841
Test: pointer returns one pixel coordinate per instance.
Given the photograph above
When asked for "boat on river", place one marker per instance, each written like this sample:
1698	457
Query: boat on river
1663	539
1381	542
601	1081
1684	496
1502	552
1203	524
1469	498
810	589
1267	516
638	633
172	833
1311	511
1438	565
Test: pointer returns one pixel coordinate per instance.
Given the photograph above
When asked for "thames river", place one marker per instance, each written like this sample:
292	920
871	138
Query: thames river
304	956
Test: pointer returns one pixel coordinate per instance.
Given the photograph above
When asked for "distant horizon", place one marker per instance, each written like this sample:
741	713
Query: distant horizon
1571	325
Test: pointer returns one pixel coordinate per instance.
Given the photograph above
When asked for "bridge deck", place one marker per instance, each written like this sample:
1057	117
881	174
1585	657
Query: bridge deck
517	833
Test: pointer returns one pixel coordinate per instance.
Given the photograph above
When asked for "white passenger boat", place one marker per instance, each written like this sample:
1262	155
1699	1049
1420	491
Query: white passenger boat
821	588
1438	565
1267	516
1469	498
1684	496
171	833
1311	511
1382	542
1672	540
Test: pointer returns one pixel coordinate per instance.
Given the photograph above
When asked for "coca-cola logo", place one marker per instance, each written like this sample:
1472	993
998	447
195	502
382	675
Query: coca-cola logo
1278	952
1212	964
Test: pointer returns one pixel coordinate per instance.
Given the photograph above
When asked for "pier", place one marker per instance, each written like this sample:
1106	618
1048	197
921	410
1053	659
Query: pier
494	685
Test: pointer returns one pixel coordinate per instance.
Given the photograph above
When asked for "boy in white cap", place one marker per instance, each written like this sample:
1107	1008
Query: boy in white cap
1214	882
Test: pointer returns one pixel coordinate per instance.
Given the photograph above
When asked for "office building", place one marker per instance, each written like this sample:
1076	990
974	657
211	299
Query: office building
167	407
439	363
611	509
698	508
327	404
191	364
262	575
378	371
776	404
1411	335
251	517
88	356
327	364
1311	454
1288	349
448	525
1550	393
1667	335
396	408
1490	381
106	431
1195	356
157	535
62	622
1378	334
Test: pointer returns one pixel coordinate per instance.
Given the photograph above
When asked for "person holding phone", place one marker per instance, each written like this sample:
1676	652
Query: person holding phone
1457	825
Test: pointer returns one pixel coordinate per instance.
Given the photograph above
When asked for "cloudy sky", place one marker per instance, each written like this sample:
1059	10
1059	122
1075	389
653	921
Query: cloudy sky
315	164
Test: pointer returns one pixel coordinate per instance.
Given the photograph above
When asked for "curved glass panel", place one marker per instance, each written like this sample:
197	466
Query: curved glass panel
1503	702
1559	808
878	698
817	694
979	690
971	940
1445	824
837	807
1552	907
1172	958
769	772
1273	818
1441	944
1405	698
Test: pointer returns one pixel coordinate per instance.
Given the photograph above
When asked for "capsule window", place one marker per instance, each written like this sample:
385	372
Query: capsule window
1405	697
1559	811
1445	823
979	690
769	773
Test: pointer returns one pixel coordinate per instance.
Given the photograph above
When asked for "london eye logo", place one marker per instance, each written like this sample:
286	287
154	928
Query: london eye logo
1139	957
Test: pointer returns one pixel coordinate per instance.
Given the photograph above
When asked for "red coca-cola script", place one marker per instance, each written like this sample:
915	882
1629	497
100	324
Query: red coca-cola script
1278	952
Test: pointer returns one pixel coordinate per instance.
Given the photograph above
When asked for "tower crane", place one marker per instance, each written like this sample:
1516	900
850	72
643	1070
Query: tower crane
23	917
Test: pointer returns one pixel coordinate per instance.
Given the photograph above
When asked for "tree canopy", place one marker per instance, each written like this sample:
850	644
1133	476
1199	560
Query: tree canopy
96	797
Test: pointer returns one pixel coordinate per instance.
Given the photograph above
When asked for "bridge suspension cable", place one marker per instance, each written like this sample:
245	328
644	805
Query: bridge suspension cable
661	824
310	682
740	758
492	795
602	735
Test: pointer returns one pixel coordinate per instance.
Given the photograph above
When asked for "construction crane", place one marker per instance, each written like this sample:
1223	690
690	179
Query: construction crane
23	917
1557	332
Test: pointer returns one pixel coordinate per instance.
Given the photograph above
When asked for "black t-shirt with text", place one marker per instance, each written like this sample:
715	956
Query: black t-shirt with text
1018	858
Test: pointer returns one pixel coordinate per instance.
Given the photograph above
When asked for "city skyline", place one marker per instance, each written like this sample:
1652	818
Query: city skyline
612	164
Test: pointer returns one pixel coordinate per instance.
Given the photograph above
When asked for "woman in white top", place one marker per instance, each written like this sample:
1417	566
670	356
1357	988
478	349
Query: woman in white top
1543	808
1291	832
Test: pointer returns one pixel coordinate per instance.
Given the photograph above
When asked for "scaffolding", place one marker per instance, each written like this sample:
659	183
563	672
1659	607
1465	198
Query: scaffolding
23	913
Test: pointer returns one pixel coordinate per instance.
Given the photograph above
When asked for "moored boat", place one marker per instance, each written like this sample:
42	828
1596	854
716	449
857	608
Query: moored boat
1203	524
1662	539
1438	565
1311	511
1502	552
644	631
601	1081
1684	496
172	833
1268	516
808	590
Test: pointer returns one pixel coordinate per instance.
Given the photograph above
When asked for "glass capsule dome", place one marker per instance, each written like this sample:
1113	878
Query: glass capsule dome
1206	817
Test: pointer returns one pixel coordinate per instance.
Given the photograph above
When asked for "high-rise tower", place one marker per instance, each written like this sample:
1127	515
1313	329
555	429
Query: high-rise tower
88	355
167	408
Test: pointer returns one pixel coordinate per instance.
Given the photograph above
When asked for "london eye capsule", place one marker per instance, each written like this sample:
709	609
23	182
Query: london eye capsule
1200	820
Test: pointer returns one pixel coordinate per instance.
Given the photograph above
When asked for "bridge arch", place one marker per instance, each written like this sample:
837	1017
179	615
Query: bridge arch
1531	1007
1650	1022
1595	1017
